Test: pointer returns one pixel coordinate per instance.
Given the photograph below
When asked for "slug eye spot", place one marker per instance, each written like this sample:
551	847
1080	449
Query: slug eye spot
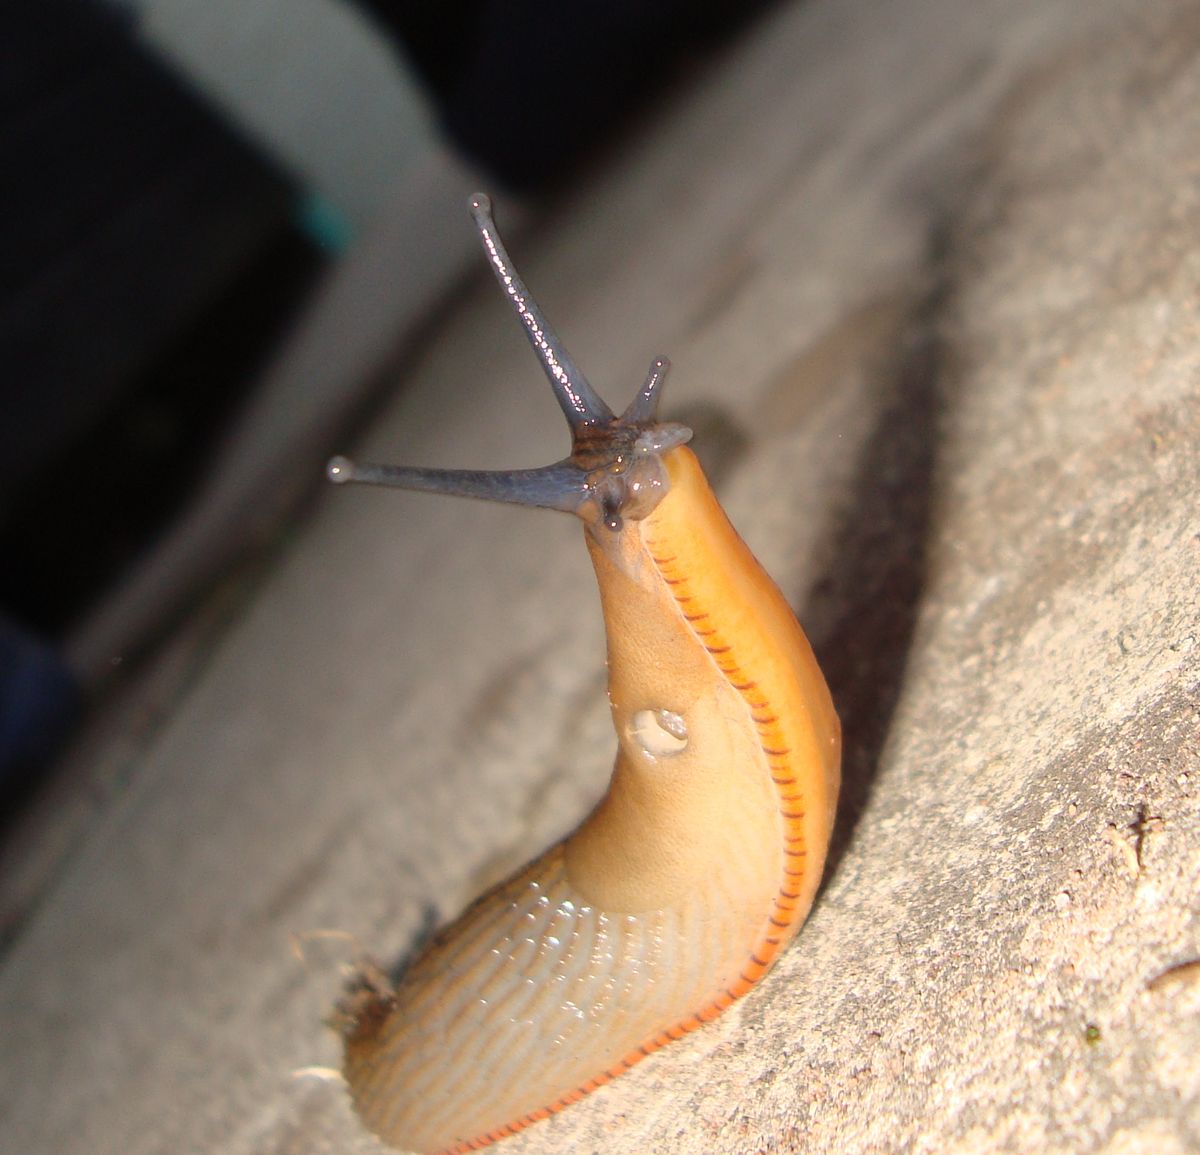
660	733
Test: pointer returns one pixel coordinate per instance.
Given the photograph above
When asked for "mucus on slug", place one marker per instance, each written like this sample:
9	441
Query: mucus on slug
679	891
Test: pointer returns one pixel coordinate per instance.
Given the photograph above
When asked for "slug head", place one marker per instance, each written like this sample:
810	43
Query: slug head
614	471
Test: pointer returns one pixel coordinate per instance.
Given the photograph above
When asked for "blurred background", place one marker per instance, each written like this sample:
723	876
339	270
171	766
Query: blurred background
222	224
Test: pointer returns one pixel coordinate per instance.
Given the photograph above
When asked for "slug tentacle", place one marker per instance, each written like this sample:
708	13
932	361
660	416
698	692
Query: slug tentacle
559	486
581	404
614	468
697	868
643	409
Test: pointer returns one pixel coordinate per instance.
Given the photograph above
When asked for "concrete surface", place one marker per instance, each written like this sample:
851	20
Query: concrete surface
928	274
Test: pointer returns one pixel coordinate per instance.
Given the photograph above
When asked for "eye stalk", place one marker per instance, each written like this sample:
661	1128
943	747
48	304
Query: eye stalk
614	471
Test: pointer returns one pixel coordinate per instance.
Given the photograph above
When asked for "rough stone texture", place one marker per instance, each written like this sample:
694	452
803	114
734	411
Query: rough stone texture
929	275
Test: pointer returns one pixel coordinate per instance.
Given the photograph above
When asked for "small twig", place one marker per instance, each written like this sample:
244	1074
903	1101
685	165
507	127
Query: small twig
1181	974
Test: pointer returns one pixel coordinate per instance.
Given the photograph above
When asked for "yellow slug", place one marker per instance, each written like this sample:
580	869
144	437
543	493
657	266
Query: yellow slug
679	891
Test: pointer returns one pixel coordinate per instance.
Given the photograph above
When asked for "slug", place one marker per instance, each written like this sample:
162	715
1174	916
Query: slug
699	865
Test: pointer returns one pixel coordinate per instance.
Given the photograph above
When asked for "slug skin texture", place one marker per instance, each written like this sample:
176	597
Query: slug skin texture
696	869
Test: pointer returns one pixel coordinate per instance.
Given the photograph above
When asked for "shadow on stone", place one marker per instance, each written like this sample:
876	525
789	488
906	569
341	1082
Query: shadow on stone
872	594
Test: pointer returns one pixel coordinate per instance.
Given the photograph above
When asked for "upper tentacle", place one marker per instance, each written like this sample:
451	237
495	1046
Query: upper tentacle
578	400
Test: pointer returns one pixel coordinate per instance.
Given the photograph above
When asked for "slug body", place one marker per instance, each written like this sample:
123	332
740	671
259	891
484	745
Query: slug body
700	864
